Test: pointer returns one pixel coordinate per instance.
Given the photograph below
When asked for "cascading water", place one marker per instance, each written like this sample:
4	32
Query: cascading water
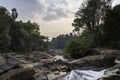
85	75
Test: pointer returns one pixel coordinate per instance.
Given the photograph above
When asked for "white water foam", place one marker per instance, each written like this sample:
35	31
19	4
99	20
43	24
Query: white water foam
85	75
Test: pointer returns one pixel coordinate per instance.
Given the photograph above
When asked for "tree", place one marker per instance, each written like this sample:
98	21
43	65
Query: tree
14	13
4	29
26	37
111	28
19	36
77	48
60	41
90	17
14	30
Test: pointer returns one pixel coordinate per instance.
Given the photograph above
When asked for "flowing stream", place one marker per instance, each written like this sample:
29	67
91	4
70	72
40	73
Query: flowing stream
84	75
60	57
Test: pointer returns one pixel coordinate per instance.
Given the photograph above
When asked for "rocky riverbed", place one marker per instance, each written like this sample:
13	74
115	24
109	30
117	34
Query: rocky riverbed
46	66
35	66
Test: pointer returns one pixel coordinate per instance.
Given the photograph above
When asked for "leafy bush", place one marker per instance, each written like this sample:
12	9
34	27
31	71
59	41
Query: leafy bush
76	48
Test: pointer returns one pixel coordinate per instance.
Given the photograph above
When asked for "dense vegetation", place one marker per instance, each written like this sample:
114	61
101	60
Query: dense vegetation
96	24
99	24
18	35
77	47
111	28
60	41
4	29
90	17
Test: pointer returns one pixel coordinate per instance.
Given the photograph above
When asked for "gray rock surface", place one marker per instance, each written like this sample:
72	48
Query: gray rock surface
18	74
112	73
96	61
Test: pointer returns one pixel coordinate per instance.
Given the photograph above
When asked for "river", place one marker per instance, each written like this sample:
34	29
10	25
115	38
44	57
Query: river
81	74
84	75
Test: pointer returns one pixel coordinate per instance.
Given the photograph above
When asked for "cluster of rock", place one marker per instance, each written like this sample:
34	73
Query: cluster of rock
44	66
93	62
34	66
10	68
101	59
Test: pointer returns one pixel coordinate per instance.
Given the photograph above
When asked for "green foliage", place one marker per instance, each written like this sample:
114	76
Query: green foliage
19	36
90	17
26	37
78	47
60	41
4	29
111	28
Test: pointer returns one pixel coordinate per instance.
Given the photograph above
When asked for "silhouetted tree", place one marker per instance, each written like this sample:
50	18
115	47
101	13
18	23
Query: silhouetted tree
4	29
18	35
111	28
14	13
90	17
60	41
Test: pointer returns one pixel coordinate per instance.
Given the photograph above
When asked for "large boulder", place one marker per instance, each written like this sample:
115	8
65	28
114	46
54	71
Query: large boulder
6	67
97	61
58	65
18	74
38	56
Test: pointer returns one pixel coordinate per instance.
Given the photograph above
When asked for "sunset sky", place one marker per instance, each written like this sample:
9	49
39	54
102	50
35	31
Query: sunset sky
54	16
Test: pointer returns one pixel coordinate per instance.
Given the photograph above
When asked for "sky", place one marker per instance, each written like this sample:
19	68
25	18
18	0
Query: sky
54	16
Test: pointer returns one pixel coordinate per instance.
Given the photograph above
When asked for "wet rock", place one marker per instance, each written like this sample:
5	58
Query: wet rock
40	76
56	65
97	61
42	62
13	61
112	77
30	65
112	73
18	74
2	60
55	52
50	76
56	75
37	56
6	67
42	55
51	67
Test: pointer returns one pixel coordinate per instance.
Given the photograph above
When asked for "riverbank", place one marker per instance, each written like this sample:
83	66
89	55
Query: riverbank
46	66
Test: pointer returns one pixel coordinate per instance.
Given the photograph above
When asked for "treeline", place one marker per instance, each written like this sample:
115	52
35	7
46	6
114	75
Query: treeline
60	41
18	35
100	26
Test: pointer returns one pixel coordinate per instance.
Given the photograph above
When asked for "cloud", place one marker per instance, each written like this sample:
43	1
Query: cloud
53	9
28	8
47	10
116	2
54	13
25	8
57	9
